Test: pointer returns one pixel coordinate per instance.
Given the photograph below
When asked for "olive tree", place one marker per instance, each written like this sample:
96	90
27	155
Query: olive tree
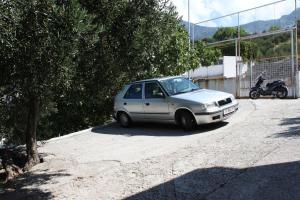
38	43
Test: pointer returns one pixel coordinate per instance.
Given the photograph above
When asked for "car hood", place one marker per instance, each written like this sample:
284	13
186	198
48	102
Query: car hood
202	96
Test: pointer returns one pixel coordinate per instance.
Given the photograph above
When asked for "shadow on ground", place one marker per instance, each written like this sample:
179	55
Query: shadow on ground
269	182
293	127
155	129
25	186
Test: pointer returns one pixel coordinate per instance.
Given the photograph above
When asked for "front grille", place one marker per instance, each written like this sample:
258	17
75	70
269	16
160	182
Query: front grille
224	102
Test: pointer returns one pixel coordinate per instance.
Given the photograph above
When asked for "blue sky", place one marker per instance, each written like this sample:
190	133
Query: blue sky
206	9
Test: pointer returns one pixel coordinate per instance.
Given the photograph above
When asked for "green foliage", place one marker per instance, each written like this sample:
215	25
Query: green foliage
228	33
248	48
274	28
35	58
273	45
38	47
207	55
75	55
145	36
268	46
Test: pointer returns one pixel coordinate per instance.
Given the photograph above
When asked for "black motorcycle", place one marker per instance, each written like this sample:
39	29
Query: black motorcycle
277	88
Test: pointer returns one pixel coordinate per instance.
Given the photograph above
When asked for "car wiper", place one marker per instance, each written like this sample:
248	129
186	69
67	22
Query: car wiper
192	90
195	89
179	93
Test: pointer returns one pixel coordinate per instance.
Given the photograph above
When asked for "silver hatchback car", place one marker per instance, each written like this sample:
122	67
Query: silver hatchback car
172	99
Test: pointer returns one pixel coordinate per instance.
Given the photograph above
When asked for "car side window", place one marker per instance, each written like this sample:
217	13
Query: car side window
153	91
134	92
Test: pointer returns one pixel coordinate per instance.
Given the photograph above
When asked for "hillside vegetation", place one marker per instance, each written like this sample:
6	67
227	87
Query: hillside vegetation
276	45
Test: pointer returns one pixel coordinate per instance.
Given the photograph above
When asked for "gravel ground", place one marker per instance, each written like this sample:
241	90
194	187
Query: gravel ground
254	155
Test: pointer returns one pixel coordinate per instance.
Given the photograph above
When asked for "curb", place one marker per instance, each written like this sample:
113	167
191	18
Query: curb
69	135
79	132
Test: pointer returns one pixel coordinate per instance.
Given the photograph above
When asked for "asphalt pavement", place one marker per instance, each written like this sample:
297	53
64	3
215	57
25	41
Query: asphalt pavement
253	155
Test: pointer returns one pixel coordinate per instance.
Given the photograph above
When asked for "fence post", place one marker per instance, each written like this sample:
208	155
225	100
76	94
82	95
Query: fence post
251	74
237	70
296	54
293	64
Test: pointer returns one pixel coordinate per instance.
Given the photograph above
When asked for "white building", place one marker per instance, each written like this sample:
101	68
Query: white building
225	68
221	76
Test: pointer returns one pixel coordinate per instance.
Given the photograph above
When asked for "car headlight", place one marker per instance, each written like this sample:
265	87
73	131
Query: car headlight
201	107
211	105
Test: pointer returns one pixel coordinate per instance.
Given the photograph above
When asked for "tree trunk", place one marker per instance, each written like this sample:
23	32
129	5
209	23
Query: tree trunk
12	162
32	122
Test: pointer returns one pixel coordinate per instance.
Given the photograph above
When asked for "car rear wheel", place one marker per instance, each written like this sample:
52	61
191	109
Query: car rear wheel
187	121
124	120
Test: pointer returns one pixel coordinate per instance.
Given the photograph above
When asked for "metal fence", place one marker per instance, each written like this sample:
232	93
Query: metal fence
276	68
283	67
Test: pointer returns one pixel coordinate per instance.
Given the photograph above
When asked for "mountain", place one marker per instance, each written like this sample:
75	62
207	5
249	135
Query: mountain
200	31
285	21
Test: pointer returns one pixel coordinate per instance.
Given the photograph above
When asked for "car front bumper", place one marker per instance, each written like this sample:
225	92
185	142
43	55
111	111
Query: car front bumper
216	116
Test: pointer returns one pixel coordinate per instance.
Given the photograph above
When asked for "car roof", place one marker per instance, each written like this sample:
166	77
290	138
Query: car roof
158	79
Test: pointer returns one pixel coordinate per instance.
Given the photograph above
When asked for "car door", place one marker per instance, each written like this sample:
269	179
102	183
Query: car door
156	105
133	101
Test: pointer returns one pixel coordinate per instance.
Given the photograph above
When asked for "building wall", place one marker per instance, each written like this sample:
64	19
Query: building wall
207	72
226	69
225	85
230	86
229	63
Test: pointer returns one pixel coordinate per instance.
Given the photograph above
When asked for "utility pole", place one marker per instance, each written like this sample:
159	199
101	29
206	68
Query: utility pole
296	52
189	32
189	22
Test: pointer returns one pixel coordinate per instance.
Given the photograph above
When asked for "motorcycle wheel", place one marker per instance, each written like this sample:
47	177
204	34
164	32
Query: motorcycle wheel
254	94
282	93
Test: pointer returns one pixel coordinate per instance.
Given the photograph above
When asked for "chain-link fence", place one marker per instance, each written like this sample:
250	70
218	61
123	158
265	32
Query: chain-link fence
276	68
259	45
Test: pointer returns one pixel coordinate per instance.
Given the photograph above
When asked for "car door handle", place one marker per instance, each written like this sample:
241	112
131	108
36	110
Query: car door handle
125	104
147	104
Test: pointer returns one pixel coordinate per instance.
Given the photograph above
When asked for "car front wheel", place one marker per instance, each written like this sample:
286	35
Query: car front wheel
187	121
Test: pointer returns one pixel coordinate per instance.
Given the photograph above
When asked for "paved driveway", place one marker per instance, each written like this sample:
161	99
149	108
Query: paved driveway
254	155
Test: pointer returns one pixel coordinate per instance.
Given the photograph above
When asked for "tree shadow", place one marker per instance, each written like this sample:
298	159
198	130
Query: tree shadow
155	129
293	127
268	182
25	186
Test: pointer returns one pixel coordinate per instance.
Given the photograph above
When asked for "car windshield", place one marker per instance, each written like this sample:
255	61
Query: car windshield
178	85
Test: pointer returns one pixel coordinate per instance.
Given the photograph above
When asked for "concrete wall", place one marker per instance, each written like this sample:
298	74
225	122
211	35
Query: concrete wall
229	85
227	70
206	72
225	85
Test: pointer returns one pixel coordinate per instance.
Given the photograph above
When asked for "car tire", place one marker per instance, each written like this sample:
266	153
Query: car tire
187	121
124	120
